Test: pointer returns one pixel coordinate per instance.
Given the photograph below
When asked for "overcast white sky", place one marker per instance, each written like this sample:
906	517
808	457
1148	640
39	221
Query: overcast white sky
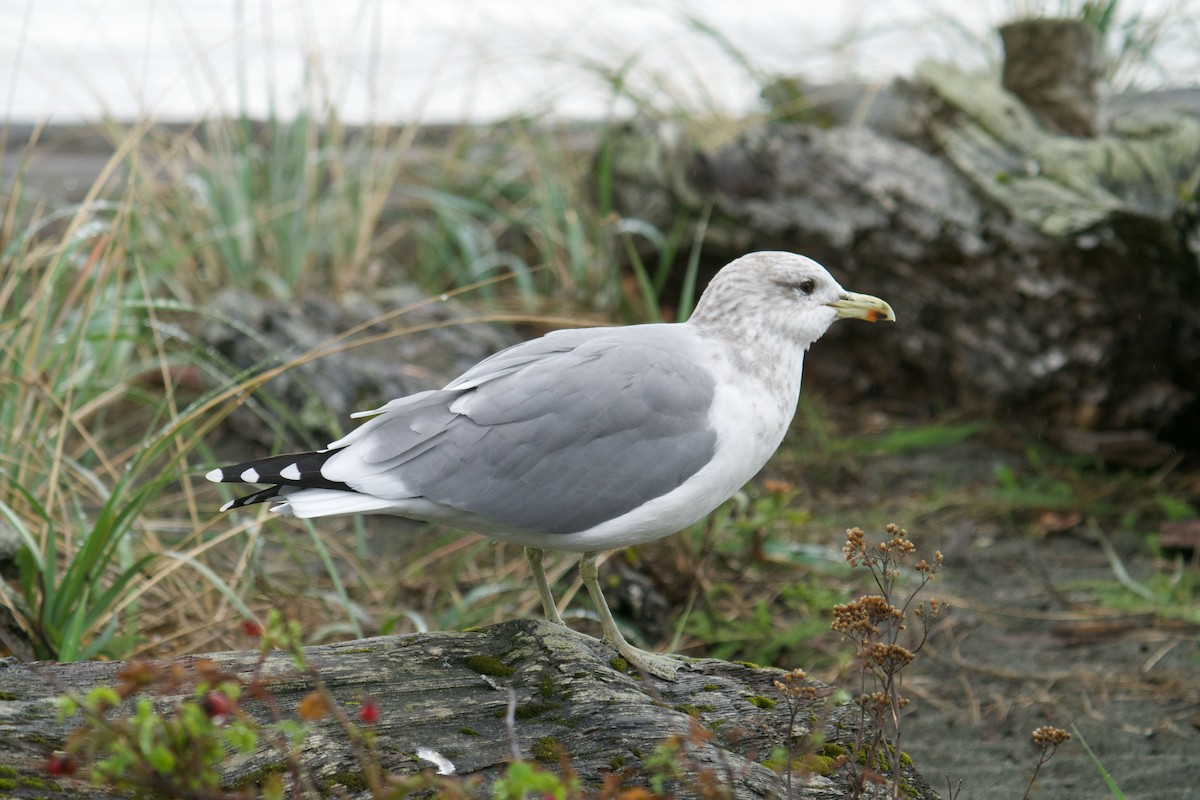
392	60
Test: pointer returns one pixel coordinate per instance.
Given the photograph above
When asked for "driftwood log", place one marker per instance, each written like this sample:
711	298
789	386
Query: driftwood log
448	694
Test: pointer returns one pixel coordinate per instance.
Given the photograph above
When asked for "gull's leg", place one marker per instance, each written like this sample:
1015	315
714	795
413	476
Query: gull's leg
534	556
653	663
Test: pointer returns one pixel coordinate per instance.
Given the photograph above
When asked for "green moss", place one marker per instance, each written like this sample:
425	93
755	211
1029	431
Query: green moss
546	687
748	664
616	762
545	749
881	763
758	701
831	750
258	776
534	709
489	665
694	711
34	782
469	732
804	763
824	765
619	664
354	781
710	687
9	696
8	783
818	764
32	738
353	650
529	710
7	771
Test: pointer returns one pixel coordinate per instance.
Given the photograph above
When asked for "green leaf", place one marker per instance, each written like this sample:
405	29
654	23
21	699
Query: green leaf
161	760
65	706
101	698
240	737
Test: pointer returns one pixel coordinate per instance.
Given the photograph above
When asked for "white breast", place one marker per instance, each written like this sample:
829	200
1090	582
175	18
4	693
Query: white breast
750	419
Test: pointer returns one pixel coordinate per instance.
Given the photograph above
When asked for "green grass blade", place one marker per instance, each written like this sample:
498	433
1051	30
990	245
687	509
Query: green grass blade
1113	789
101	605
67	643
214	579
687	295
331	569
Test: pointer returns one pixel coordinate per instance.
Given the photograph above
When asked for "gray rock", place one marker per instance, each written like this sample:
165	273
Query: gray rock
426	346
1035	275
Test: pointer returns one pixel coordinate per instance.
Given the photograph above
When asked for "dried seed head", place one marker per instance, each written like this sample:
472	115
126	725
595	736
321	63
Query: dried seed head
794	686
855	549
888	657
875	702
862	617
1049	736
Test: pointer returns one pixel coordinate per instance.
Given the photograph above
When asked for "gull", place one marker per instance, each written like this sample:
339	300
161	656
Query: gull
586	440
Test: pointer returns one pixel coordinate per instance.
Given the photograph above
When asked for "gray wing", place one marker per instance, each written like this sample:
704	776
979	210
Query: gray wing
512	359
555	436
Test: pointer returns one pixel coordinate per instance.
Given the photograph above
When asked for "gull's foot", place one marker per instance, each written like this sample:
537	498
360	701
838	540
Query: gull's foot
656	664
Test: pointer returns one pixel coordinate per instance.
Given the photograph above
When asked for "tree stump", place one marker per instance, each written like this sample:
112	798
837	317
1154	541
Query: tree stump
1054	66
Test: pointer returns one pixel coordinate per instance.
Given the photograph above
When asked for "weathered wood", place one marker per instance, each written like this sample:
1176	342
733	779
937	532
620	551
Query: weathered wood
1055	67
433	691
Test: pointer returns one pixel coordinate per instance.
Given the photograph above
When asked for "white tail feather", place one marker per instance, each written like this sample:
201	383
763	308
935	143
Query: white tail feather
309	503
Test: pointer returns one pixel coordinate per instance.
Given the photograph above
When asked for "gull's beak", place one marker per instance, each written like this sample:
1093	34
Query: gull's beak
862	306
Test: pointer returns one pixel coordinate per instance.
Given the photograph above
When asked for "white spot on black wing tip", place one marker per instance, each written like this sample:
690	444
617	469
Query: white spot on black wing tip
290	473
216	476
249	476
229	505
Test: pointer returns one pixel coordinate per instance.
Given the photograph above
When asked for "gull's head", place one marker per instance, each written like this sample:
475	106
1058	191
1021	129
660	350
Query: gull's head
784	293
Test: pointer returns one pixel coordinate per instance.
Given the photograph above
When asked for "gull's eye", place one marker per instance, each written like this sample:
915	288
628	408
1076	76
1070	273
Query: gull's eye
806	286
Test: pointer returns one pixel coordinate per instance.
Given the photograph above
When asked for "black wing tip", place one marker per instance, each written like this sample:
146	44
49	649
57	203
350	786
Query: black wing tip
291	471
269	493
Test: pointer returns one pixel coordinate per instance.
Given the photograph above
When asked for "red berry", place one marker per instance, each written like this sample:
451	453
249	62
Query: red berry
217	705
369	713
252	628
60	764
